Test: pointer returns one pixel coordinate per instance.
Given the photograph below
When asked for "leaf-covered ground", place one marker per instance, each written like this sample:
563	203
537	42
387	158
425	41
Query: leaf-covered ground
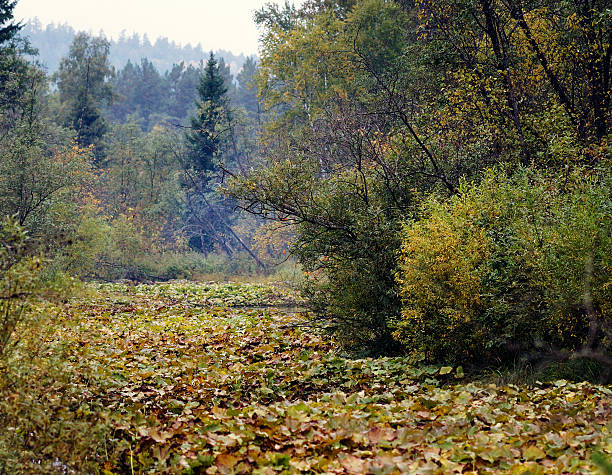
213	378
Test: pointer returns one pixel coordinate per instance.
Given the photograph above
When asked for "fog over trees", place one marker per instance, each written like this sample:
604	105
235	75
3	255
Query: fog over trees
53	42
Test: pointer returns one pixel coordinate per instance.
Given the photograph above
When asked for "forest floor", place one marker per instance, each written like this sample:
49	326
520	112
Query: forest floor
229	378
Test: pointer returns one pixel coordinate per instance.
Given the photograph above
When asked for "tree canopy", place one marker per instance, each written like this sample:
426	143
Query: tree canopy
8	28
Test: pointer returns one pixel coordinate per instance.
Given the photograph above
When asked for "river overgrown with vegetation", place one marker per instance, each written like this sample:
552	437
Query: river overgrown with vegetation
382	244
220	378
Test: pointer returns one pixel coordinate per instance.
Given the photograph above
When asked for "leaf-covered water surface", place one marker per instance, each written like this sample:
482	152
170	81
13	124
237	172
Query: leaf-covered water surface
222	378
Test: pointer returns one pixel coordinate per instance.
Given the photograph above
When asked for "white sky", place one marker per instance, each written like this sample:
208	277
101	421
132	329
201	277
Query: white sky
222	24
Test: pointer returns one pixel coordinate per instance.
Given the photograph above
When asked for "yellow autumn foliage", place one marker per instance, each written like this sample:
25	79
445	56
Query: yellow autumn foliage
511	264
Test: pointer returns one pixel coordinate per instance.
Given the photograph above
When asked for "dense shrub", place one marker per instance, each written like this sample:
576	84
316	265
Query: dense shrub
509	265
52	425
352	287
196	265
346	239
121	248
19	278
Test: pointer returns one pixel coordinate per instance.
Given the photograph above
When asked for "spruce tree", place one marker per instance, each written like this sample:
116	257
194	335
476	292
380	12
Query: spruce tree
18	78
8	29
204	137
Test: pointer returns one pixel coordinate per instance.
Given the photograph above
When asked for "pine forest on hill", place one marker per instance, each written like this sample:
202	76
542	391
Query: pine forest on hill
53	42
383	245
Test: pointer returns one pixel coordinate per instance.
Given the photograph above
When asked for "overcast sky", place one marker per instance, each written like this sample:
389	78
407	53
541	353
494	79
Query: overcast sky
216	24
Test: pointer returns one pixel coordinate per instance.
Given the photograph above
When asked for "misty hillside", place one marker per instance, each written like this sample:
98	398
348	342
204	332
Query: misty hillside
53	41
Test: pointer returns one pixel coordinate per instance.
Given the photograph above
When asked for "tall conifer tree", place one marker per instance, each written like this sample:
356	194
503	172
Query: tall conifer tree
204	138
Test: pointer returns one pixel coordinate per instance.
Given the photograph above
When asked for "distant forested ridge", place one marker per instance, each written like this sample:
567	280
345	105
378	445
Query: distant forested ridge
53	42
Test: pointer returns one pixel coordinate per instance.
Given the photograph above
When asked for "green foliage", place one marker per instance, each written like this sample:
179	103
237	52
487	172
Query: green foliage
213	148
39	178
348	280
247	90
142	93
122	248
211	116
507	266
82	80
51	425
21	84
273	16
85	70
19	279
332	164
374	105
8	28
182	81
43	177
179	377
53	40
139	90
340	157
602	462
346	242
578	369
169	265
116	220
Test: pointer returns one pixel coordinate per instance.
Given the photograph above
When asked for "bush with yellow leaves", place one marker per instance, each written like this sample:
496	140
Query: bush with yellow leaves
511	265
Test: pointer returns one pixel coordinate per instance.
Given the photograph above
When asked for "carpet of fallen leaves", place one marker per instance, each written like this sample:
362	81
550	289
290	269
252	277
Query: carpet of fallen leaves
227	378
